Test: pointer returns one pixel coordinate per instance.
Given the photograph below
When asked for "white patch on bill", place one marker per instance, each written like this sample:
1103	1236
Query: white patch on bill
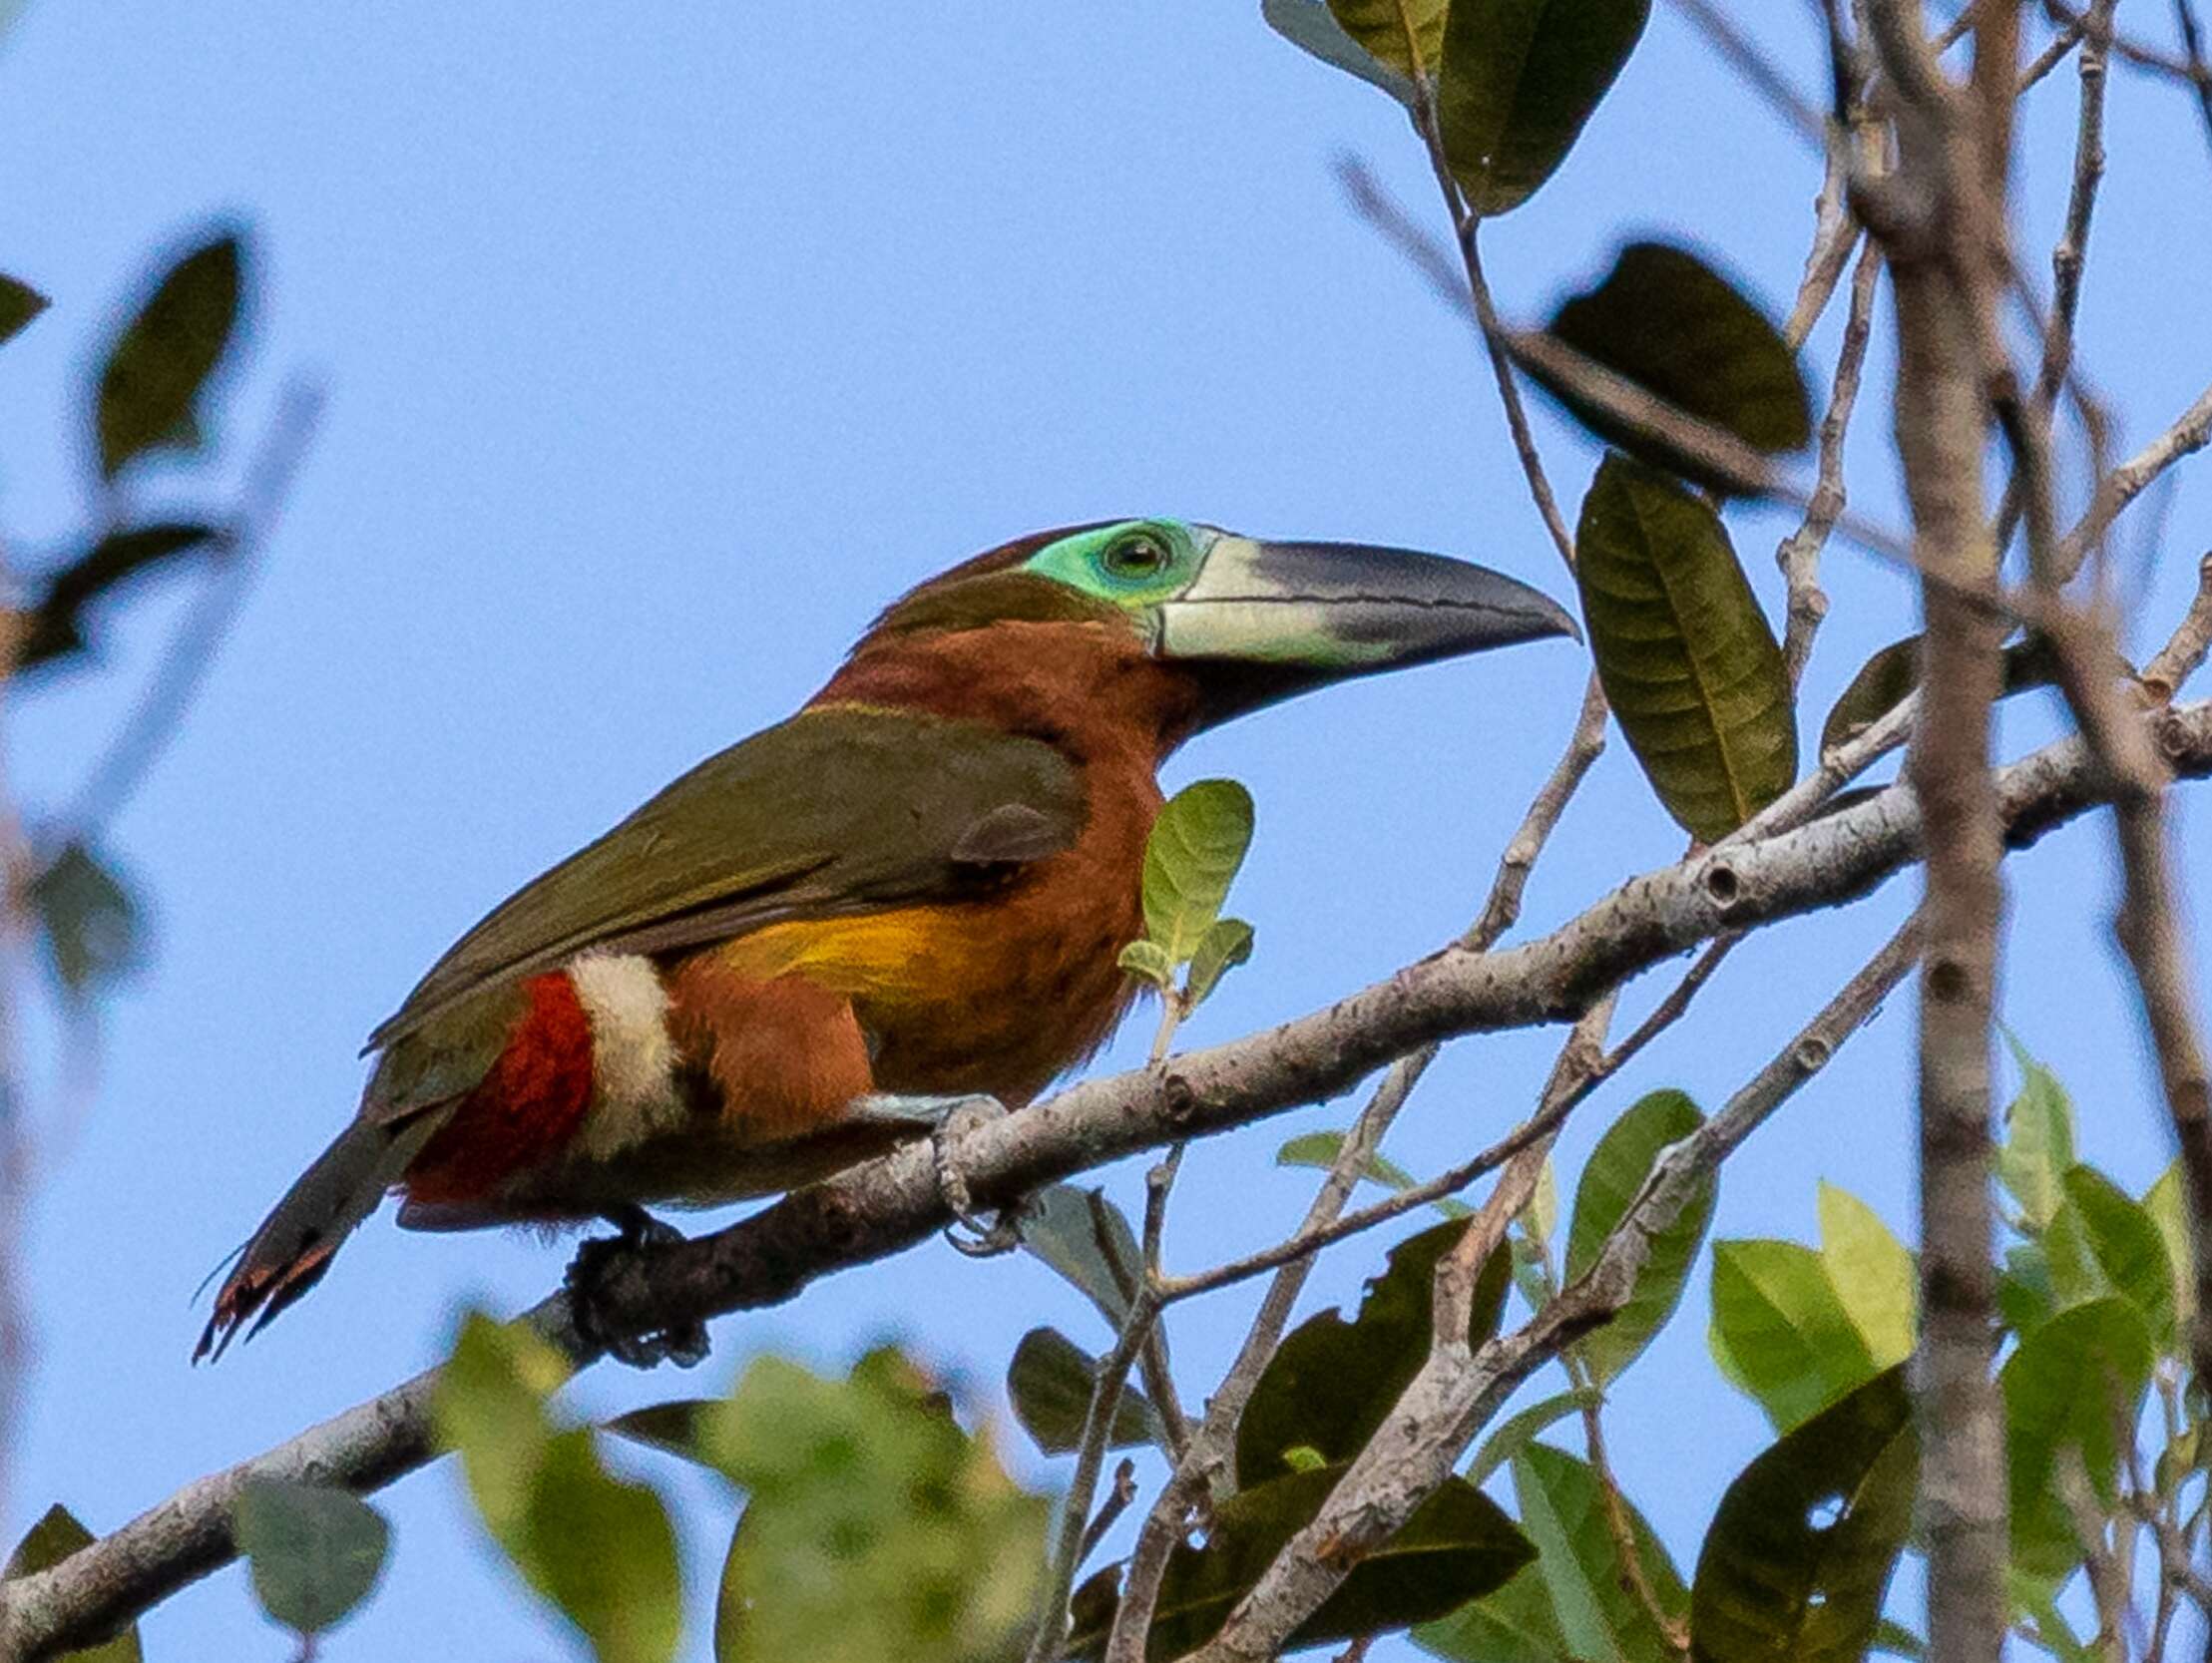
632	1056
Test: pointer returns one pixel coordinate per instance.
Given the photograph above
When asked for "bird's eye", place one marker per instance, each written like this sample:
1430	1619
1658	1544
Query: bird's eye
1138	556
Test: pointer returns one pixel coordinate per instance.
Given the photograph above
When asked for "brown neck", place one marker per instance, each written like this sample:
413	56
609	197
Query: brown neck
1090	690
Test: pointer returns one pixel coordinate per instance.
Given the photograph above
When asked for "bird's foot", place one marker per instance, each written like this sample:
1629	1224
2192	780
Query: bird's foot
949	1119
686	1345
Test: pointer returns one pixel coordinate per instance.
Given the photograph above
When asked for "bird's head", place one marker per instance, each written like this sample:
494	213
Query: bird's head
1244	620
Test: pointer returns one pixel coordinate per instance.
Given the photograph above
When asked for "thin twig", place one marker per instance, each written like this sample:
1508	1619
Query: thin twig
2184	652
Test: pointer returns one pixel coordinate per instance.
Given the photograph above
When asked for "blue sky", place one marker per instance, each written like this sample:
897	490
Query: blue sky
661	344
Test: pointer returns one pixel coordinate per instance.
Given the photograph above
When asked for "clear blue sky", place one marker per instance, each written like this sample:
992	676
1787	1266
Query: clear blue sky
663	343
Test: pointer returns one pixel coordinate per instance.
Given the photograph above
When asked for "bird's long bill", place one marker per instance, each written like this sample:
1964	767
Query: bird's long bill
1264	621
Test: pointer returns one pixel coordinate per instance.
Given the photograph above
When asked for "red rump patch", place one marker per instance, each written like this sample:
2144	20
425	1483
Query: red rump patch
526	1108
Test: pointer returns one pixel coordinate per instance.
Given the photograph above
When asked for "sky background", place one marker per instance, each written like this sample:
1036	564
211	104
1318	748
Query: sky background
661	344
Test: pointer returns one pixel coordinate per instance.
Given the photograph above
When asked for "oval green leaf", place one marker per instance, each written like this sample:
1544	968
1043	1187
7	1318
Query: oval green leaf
1226	943
1689	664
1457	1545
315	1551
1780	1332
1610	1179
1800	1551
1050	1380
1190	859
2070	1383
1519	79
1873	1274
2125	1244
601	1548
153	373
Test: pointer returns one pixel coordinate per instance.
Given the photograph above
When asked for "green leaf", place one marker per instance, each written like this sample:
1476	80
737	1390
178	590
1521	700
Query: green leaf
1614	1173
489	1407
46	1545
19	303
2038	1598
2072	1382
55	626
1050	1381
1331	1381
315	1552
1457	1545
1190	859
2124	1245
2166	1205
1148	961
1313	29
677	1426
1541	1217
155	371
1693	671
1800	1551
2038	1143
1786	1339
1519	79
88	918
1885	681
1898	1640
1873	1274
1516	1624
601	1548
1319	1149
1667	323
1515	1433
1072	1230
876	1527
1378	27
1564	1513
2025	1298
1226	943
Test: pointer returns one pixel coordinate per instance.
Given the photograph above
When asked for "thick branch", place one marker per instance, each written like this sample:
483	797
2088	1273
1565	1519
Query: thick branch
889	1204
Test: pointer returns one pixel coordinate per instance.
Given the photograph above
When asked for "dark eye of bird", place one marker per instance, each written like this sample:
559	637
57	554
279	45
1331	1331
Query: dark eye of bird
1141	555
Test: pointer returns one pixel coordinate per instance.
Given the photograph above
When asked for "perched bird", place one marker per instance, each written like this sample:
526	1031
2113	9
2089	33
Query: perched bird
912	892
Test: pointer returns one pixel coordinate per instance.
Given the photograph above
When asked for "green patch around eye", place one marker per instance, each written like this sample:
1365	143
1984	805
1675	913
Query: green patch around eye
1133	562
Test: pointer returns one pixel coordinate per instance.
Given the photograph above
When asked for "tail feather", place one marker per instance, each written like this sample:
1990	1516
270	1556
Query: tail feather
296	1243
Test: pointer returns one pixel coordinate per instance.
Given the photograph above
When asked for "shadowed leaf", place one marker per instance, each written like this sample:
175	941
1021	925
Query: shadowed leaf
1688	663
1800	1550
19	303
1519	79
315	1551
1669	323
1883	681
89	917
1873	1274
1190	859
1050	1381
1780	1332
54	627
1313	29
677	1426
1457	1545
1064	1224
1516	1624
2025	1298
1614	1172
1226	943
2124	1244
1514	1433
2070	1383
166	353
1331	1381
46	1545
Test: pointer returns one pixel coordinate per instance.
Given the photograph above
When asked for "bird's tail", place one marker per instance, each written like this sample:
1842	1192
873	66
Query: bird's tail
294	1245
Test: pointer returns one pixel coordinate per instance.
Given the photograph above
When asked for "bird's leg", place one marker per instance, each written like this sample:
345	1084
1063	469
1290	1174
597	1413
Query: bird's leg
686	1346
949	1119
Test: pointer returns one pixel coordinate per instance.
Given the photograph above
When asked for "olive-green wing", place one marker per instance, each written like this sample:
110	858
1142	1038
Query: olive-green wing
838	810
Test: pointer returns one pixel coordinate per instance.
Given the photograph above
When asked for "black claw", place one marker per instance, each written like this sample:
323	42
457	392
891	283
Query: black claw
686	1345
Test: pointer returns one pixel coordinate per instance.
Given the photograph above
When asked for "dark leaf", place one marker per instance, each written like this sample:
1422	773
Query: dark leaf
1331	1381
89	917
1563	1509
1516	1624
1800	1551
1666	321
315	1552
1610	1179
678	1427
1310	26
1885	681
166	353
2069	1384
19	303
1693	671
1457	1545
1050	1383
1379	29
1073	1230
54	627
46	1545
2024	1296
1519	79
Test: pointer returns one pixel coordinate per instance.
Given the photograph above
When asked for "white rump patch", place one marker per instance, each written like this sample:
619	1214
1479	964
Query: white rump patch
632	1056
